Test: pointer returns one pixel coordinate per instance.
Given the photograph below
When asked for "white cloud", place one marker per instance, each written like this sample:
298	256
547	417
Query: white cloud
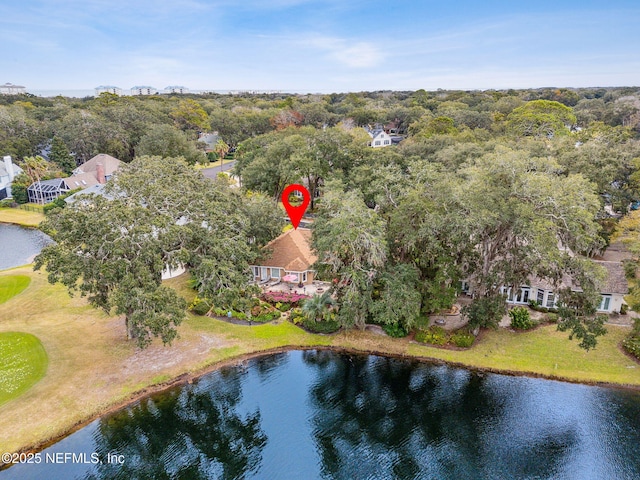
353	55
359	55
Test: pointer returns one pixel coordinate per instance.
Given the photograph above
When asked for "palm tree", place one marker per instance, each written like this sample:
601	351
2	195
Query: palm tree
221	148
35	168
317	307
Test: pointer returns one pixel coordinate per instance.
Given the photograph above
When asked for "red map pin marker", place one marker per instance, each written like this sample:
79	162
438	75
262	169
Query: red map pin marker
296	213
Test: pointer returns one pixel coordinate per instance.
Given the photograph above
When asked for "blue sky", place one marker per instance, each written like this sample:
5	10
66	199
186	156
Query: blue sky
319	45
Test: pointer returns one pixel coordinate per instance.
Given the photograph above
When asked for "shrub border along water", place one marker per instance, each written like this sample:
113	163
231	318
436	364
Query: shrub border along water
631	344
438	336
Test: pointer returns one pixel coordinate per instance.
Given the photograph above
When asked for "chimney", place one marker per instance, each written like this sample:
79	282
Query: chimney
100	173
8	165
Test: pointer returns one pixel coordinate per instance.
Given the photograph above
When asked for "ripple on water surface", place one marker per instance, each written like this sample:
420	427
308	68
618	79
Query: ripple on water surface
319	414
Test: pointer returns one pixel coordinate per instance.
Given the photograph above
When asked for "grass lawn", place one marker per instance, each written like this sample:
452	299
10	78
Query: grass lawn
12	285
21	217
23	362
547	352
93	368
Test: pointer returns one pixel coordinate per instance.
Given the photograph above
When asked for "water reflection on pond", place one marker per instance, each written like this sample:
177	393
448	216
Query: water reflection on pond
19	245
319	414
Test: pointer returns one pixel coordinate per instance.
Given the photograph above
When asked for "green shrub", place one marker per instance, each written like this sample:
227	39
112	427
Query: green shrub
200	307
520	318
433	335
462	339
395	330
325	326
632	345
267	317
537	307
485	312
220	312
296	316
239	315
284	307
629	269
624	308
551	317
19	193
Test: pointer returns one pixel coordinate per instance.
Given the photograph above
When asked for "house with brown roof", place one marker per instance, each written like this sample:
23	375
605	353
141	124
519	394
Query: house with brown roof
287	258
96	171
612	293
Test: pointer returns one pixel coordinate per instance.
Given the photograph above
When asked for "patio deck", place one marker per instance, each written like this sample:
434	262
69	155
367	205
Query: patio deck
312	289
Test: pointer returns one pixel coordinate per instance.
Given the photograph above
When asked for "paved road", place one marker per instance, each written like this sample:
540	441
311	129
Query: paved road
212	172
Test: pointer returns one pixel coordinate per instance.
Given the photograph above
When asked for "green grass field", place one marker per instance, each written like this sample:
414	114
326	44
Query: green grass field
92	367
12	285
23	362
20	217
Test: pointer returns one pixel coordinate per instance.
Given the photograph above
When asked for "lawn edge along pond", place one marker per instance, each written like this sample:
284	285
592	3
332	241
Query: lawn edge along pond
23	218
93	370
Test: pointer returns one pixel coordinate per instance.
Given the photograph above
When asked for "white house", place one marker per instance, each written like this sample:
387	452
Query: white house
144	90
209	140
544	293
108	89
8	171
11	89
176	89
379	138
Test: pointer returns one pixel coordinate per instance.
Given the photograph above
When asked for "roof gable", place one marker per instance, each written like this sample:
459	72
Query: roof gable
82	180
290	251
615	282
109	163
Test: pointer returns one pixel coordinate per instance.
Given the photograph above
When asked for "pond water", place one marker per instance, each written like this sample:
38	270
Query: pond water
19	245
319	414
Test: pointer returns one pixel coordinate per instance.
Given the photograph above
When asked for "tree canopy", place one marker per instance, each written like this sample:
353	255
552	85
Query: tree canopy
486	186
157	213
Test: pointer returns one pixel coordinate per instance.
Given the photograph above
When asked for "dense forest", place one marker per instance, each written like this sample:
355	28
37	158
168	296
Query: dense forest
490	186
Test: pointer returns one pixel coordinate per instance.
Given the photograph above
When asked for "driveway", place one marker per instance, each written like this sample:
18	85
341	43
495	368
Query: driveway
212	172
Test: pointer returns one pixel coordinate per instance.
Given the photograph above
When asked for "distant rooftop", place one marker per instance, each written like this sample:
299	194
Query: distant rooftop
10	89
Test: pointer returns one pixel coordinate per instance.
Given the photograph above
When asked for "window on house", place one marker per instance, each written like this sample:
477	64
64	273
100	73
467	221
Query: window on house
540	297
509	295
256	271
304	277
522	296
605	303
377	142
551	300
387	142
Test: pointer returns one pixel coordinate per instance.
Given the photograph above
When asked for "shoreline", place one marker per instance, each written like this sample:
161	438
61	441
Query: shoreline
190	377
18	224
21	218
